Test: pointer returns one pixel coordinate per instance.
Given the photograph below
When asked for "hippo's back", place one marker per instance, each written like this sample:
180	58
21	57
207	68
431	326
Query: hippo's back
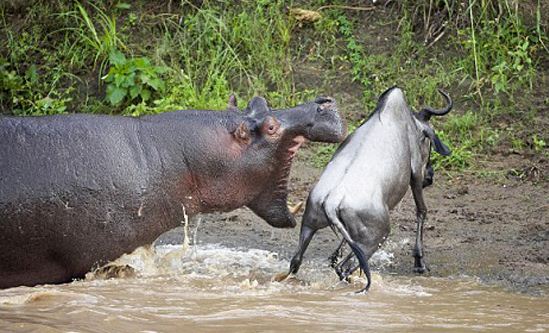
46	155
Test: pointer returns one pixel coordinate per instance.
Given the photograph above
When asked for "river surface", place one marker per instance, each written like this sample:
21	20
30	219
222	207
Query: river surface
208	288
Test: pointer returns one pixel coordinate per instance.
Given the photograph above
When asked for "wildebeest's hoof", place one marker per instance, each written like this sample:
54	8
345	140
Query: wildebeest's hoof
280	277
363	291
421	270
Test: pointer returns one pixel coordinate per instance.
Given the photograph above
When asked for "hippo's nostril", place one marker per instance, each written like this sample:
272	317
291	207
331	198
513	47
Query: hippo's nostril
324	99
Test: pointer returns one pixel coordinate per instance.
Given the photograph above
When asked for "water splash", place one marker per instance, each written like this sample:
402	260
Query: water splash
35	295
209	287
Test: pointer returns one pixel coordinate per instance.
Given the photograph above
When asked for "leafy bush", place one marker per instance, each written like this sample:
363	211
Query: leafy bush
501	52
131	78
24	94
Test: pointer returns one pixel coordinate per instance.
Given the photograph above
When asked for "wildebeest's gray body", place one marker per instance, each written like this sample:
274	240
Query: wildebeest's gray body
367	177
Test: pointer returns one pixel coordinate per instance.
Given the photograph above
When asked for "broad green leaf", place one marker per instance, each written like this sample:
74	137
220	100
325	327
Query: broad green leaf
140	63
161	69
119	79
129	80
117	58
134	91
115	94
123	5
144	78
155	83
145	94
32	73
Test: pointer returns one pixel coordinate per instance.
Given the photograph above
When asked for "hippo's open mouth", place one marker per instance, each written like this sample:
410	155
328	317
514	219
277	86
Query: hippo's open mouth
291	151
295	145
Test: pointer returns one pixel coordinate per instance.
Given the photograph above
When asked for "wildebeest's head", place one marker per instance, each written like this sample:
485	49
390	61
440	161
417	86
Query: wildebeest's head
430	139
274	139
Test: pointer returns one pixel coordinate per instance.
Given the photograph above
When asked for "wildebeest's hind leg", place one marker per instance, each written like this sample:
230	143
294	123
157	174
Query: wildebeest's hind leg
305	237
339	267
369	229
336	254
342	273
421	213
333	216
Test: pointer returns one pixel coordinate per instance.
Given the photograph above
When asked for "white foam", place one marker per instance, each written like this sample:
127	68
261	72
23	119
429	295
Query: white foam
382	258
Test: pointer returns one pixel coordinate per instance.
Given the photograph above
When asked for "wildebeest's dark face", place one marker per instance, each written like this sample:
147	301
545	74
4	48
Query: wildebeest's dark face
429	141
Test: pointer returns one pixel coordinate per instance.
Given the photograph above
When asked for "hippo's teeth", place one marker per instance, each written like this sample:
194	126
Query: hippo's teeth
295	208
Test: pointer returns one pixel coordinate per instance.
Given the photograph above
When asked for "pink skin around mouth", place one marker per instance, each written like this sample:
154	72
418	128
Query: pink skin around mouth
297	142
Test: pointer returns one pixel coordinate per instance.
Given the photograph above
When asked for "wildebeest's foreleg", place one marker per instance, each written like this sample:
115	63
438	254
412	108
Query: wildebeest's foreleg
421	214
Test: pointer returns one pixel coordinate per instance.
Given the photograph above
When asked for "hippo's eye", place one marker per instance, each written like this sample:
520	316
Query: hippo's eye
270	126
318	109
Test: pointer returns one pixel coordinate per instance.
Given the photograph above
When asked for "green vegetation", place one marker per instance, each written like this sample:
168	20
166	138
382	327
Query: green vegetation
132	78
492	65
104	41
114	58
136	58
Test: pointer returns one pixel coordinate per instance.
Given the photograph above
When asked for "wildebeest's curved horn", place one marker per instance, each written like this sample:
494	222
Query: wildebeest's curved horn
426	112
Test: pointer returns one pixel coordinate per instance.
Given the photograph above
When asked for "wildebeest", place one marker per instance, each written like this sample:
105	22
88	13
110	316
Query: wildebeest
368	175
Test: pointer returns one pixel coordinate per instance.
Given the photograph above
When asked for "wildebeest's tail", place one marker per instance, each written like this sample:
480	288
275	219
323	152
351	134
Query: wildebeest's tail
333	214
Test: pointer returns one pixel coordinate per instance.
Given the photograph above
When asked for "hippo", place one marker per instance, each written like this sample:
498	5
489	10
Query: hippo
80	190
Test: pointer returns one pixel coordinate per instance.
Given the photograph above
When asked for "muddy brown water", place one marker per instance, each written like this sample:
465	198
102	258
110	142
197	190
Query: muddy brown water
211	288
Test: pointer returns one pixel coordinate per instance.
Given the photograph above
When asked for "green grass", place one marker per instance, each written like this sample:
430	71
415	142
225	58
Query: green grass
57	57
212	50
95	31
493	68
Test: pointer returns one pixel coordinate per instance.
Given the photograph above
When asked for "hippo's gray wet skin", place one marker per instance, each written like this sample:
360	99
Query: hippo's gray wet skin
80	190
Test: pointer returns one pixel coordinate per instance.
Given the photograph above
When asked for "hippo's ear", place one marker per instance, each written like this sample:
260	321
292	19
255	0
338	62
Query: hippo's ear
257	108
232	105
242	133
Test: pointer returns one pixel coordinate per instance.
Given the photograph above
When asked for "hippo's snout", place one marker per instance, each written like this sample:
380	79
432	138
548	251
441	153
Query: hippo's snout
328	125
316	121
